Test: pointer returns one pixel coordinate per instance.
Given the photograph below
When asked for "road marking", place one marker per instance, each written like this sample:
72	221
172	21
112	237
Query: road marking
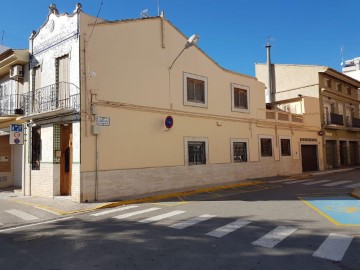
187	223
233	226
137	213
353	186
114	210
317	182
296	182
274	237
47	210
35	224
21	214
336	183
334	247
160	217
279	181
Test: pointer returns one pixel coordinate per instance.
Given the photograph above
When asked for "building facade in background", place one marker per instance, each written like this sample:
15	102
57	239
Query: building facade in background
338	102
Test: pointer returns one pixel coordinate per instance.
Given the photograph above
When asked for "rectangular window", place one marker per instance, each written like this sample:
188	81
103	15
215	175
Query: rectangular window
35	148
195	90
285	147
266	147
240	98
240	152
196	152
348	90
338	87
327	82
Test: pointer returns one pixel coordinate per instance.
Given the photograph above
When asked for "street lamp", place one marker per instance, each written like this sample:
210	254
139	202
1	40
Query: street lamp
190	42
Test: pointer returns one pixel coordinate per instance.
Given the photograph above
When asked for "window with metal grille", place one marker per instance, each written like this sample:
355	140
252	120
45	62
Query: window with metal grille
56	142
240	98
285	147
239	152
197	153
195	90
35	148
266	147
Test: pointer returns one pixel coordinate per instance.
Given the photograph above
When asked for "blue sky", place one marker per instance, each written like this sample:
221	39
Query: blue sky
232	32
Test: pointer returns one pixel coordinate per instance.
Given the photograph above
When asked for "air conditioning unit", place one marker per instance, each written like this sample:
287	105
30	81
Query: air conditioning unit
16	72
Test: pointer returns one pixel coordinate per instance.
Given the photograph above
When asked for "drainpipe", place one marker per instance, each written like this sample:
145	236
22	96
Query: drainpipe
97	167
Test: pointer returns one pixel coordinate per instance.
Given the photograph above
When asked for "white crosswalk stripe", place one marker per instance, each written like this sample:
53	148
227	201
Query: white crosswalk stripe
231	227
160	217
136	213
274	237
114	210
21	214
336	183
296	182
316	182
334	247
354	185
191	222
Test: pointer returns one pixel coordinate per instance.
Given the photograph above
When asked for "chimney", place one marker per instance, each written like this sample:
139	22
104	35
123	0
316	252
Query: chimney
269	95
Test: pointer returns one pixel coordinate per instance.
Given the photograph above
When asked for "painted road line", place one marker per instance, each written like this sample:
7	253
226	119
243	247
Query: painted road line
47	210
296	182
334	247
317	182
231	227
279	181
336	183
187	223
137	213
35	224
354	185
114	210
274	237
160	217
21	214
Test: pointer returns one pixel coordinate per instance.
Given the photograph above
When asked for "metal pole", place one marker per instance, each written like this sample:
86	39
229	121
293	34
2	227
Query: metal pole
97	167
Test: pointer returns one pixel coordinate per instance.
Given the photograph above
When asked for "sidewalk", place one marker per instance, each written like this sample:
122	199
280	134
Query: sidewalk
64	205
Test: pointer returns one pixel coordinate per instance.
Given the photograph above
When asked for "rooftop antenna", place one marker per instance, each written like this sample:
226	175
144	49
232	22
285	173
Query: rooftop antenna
145	13
2	37
342	55
158	7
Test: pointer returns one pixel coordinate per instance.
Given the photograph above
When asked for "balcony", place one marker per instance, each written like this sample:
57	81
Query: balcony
56	97
335	119
11	105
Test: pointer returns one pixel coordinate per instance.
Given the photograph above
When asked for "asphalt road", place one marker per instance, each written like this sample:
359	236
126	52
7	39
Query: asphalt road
306	223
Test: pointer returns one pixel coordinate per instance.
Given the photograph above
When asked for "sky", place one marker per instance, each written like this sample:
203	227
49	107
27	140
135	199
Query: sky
232	32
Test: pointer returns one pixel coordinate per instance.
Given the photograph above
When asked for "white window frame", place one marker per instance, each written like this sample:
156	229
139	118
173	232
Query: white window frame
232	141
196	139
291	150
195	77
243	87
272	146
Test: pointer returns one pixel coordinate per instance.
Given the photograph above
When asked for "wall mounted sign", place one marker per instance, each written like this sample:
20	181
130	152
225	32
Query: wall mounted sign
169	122
16	134
102	121
321	133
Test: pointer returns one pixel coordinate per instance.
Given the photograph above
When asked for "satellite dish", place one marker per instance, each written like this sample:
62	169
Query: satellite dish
145	13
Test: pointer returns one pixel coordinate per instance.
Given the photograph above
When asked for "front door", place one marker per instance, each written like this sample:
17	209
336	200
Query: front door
309	158
66	159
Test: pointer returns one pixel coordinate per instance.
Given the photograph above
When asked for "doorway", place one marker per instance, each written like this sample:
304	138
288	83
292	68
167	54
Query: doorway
343	153
309	158
66	159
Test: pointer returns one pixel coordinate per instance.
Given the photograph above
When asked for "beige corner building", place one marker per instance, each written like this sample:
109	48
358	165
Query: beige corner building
120	109
336	96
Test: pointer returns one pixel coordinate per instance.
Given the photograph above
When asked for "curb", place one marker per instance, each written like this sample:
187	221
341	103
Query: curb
178	194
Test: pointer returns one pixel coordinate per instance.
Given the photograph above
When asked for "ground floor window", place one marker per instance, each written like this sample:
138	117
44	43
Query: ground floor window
266	147
35	148
196	153
285	147
239	150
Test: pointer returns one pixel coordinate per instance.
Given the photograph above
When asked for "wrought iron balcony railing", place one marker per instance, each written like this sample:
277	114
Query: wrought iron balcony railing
336	119
355	122
61	95
11	104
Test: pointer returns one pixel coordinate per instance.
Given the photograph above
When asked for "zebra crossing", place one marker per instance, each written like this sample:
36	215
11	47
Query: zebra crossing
333	248
313	182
